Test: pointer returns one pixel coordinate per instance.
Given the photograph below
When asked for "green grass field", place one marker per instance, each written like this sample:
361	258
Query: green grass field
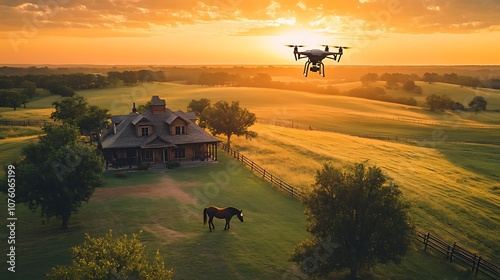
454	186
171	221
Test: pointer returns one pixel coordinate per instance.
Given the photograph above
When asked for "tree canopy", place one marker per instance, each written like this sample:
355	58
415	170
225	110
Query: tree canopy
110	257
437	102
478	103
229	119
76	111
58	173
198	106
356	218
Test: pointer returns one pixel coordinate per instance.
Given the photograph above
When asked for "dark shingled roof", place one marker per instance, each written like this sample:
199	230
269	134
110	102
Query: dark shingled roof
160	137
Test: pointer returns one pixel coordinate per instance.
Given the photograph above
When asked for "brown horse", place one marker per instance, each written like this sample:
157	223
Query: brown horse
221	213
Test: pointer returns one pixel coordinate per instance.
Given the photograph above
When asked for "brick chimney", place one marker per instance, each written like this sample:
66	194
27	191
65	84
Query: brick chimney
158	105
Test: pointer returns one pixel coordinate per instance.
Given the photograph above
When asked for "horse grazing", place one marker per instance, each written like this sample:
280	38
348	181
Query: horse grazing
221	213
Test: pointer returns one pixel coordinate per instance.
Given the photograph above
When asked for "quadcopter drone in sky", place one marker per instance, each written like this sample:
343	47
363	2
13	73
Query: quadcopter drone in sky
315	57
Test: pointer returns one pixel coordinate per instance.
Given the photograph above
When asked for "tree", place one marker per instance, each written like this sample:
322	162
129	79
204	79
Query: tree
69	109
143	108
430	77
356	219
433	101
93	122
109	257
392	81
63	91
114	77
77	112
198	106
409	85
478	104
226	119
15	99
369	78
29	88
58	173
261	80
436	102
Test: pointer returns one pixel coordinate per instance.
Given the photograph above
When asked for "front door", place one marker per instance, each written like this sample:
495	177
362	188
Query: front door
165	155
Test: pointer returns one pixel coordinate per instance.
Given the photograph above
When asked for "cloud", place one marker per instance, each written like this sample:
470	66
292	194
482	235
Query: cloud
143	17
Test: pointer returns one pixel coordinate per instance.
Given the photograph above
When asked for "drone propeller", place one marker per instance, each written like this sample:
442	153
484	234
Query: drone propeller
295	49
327	48
341	47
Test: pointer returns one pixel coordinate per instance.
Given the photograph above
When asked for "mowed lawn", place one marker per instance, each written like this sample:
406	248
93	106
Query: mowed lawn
168	208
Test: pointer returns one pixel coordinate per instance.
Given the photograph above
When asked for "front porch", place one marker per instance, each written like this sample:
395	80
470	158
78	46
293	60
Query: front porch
159	156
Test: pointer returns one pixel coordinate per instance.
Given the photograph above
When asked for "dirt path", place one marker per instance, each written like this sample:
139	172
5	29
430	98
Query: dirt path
167	188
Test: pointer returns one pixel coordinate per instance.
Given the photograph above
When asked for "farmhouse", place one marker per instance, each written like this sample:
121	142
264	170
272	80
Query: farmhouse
157	135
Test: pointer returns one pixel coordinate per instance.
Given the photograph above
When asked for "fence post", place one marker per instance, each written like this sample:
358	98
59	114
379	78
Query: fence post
264	174
426	240
252	165
453	250
478	264
474	262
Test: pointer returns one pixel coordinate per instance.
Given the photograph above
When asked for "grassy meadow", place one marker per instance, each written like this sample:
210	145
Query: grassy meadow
454	187
171	221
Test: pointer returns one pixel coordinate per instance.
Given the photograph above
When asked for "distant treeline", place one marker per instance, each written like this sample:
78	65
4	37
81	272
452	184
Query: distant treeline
393	79
57	81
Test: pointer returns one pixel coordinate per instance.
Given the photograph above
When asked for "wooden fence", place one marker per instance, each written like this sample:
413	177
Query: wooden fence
275	180
23	122
457	253
296	125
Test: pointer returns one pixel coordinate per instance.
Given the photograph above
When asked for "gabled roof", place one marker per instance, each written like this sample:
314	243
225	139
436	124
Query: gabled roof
118	119
126	131
140	118
156	141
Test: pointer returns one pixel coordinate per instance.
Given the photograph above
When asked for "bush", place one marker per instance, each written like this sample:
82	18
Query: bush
143	166
172	164
112	257
121	175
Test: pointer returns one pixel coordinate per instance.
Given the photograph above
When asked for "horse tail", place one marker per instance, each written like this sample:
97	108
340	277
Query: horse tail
205	216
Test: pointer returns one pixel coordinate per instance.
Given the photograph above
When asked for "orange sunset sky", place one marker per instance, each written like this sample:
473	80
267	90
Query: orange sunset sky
194	32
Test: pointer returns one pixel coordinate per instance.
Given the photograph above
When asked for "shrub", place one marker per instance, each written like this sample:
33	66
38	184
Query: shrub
121	175
172	164
143	166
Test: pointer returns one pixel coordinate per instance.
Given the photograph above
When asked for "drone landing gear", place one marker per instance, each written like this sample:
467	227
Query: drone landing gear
317	67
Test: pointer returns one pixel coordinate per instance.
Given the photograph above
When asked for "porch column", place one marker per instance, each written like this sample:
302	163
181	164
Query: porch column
215	148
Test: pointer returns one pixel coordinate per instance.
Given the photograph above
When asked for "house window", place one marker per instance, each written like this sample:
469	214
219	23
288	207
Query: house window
145	131
180	153
180	130
148	155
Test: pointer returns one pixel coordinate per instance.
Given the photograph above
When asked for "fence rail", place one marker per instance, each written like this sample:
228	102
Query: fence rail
300	126
275	180
456	253
22	122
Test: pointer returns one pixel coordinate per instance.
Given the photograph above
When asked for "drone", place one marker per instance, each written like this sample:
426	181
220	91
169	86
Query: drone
315	57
